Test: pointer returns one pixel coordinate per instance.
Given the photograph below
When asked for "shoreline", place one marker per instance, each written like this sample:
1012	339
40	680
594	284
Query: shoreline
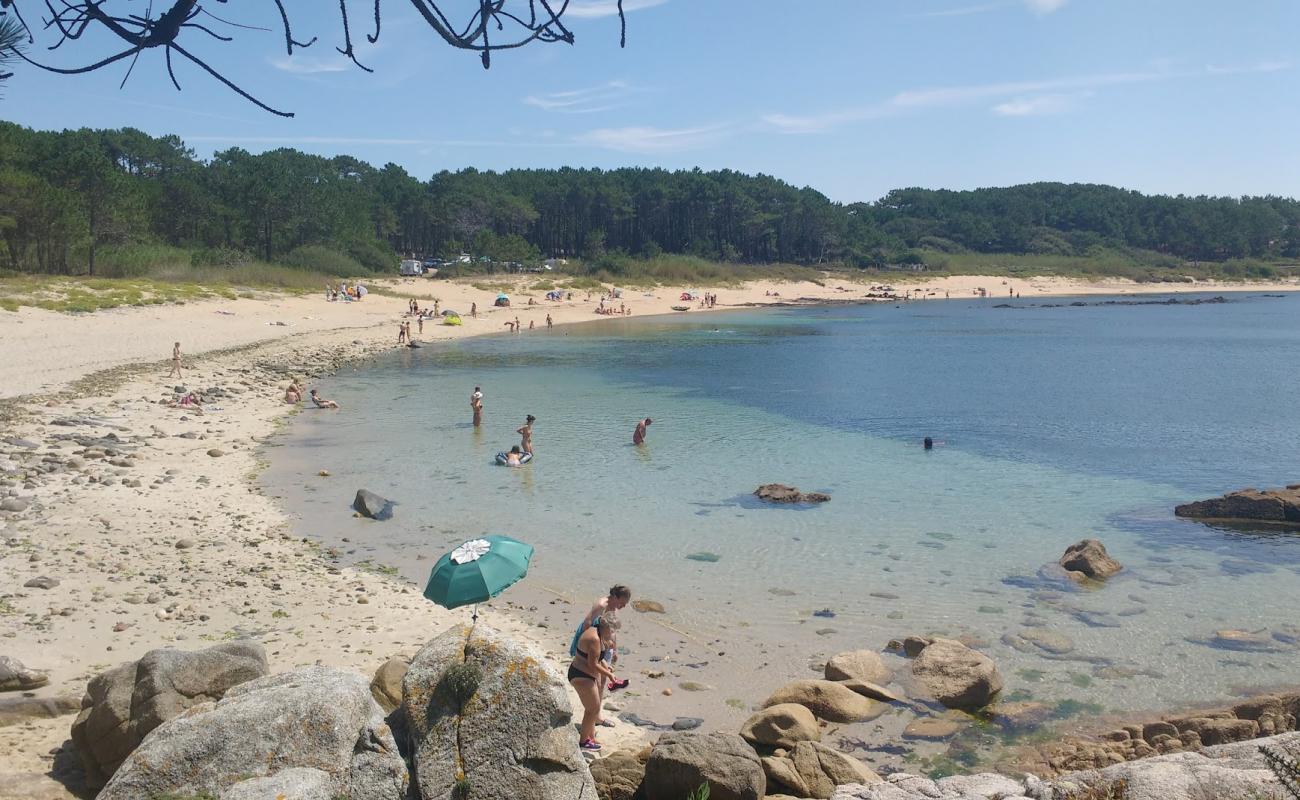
194	552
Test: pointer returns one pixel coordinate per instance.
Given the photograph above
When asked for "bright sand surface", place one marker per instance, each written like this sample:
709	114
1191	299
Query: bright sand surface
125	586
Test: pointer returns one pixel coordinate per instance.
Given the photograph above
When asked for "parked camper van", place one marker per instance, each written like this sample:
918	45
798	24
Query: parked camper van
411	266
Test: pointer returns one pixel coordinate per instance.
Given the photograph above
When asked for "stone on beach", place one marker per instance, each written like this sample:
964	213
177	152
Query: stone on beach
17	677
1090	558
372	505
312	720
386	685
513	737
619	775
781	725
812	769
680	763
956	675
648	606
19	710
827	700
123	705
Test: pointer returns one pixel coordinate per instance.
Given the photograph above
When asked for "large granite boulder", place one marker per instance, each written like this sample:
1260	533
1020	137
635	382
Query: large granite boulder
511	737
124	704
812	769
16	677
865	665
828	700
680	762
1090	557
781	725
619	775
956	675
369	504
315	732
1269	505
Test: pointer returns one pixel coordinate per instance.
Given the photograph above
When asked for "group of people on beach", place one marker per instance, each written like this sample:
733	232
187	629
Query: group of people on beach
595	652
345	292
293	396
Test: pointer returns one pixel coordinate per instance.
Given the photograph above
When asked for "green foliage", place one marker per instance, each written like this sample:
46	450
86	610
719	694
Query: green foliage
461	788
227	257
374	255
1286	767
461	681
139	260
700	793
318	258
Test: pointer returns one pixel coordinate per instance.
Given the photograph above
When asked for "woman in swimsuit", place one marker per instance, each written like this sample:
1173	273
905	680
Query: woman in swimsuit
586	673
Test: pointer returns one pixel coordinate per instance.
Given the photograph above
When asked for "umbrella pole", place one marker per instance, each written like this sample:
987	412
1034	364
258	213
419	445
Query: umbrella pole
474	617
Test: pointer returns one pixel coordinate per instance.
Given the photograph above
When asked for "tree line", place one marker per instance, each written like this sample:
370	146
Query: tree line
66	196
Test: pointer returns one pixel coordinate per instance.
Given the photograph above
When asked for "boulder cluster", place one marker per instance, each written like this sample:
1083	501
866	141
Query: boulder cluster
1278	506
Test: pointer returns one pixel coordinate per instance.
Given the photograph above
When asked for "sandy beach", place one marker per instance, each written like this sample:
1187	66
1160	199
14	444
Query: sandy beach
145	518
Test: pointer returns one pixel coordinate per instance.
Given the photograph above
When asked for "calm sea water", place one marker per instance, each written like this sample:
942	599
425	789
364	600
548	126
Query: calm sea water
1052	424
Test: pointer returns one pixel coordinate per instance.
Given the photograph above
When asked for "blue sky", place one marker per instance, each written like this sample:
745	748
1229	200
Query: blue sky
851	97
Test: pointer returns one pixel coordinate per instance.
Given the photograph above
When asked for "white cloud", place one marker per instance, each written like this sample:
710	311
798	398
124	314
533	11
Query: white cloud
964	10
652	140
1045	6
591	9
956	96
309	65
1041	105
613	94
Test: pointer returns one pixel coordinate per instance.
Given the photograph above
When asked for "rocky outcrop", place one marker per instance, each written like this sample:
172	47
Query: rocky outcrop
781	725
619	775
780	493
369	504
1090	558
828	700
1267	715
680	762
124	704
1225	771
16	677
315	731
511	735
865	665
812	769
956	675
386	686
1251	505
19	710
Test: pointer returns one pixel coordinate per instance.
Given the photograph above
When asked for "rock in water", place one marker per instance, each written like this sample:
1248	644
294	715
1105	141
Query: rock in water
680	762
1090	557
1269	505
16	677
303	731
514	736
372	505
956	675
828	700
863	665
781	725
780	493
123	705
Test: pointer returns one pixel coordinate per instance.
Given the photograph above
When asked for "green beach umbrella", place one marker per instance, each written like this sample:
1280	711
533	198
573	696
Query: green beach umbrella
477	571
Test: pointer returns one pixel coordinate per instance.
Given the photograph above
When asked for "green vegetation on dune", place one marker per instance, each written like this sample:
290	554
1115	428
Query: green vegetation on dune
123	204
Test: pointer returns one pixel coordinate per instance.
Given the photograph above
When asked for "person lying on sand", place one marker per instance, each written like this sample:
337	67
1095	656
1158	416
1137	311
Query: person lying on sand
322	402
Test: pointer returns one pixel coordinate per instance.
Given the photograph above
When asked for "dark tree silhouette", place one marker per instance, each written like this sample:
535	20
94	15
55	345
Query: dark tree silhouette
492	25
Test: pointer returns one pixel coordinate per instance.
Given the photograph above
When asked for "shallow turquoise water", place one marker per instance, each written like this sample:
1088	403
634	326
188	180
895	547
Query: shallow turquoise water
1055	424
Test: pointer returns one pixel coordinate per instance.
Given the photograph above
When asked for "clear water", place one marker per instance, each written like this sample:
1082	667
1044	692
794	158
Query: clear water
1053	424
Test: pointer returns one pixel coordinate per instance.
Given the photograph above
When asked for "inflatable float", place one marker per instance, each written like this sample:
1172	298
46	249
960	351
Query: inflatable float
503	458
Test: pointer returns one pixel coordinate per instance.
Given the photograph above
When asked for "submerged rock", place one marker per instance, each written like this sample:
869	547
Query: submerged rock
780	493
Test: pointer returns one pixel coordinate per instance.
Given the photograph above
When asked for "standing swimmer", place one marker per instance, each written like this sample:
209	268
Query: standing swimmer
476	403
526	434
638	436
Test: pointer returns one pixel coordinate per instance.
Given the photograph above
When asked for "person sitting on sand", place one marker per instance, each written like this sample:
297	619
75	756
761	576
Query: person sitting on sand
322	402
526	434
586	673
293	394
515	457
638	436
